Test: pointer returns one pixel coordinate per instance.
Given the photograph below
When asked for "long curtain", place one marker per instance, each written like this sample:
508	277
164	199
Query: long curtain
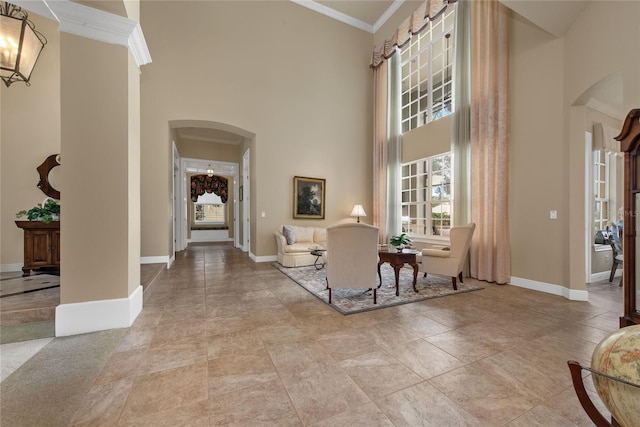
461	135
380	150
490	142
394	152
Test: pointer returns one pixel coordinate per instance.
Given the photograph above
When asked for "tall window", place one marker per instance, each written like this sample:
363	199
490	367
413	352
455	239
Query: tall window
209	209
427	72
600	190
427	200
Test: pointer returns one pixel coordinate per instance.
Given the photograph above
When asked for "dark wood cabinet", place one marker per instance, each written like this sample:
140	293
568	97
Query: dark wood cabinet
41	245
630	145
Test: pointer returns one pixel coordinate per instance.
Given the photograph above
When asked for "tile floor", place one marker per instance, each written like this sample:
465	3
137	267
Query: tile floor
224	340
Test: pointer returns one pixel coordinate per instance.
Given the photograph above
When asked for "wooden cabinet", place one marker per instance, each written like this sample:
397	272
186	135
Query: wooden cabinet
630	145
41	245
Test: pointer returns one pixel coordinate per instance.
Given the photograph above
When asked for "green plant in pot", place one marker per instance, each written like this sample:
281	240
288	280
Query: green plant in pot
400	241
47	212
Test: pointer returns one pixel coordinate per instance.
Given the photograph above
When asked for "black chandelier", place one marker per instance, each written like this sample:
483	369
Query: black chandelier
20	44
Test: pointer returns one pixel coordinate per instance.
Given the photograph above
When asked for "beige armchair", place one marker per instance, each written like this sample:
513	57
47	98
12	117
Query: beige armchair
351	260
449	260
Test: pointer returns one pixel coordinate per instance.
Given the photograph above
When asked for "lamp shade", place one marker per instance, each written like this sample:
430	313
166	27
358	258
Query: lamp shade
20	44
358	211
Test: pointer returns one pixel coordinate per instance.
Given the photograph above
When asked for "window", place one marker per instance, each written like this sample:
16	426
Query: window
427	70
600	190
209	209
427	200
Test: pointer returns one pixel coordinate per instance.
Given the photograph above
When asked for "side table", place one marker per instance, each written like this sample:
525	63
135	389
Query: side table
397	260
318	253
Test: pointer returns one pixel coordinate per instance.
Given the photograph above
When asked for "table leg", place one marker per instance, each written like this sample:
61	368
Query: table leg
396	269
415	275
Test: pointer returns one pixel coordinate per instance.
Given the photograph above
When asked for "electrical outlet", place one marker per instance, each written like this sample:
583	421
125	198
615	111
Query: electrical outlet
553	214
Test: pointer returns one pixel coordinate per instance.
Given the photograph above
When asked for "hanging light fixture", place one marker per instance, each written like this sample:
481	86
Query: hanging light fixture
210	171
20	44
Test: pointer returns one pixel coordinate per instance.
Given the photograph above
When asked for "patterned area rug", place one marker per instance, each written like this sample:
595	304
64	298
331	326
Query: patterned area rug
354	300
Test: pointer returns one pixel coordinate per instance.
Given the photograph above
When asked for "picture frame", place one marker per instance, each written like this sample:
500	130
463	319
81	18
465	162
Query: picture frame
241	193
308	197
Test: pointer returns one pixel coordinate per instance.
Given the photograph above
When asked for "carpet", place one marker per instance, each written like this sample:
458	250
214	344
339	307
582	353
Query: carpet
354	300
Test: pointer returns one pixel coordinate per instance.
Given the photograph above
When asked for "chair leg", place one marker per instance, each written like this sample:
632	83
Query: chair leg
374	296
455	285
425	275
460	277
329	295
613	270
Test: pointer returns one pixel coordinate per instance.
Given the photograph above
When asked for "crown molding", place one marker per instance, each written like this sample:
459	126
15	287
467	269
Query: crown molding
332	13
93	24
387	14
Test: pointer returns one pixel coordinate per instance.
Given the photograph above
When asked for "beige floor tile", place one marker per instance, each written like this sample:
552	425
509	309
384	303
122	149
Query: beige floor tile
348	343
423	405
425	359
194	414
103	404
266	404
365	416
322	392
165	390
230	373
489	396
379	374
235	343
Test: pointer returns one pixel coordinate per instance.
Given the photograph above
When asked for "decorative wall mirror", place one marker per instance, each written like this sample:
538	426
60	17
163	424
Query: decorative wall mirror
48	178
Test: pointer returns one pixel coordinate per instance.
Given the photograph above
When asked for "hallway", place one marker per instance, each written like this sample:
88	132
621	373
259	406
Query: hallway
224	340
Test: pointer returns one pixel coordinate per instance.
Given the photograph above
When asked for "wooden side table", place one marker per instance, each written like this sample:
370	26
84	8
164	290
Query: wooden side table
397	260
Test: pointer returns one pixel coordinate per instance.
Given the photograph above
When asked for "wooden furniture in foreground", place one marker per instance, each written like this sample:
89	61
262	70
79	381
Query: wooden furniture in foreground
585	400
630	145
397	260
41	245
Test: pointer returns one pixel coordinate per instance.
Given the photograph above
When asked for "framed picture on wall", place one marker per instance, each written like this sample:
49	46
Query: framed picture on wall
308	197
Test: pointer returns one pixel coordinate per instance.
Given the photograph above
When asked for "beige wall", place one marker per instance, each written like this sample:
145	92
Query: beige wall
296	79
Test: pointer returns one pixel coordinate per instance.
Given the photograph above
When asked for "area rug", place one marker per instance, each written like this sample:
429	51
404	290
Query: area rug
354	300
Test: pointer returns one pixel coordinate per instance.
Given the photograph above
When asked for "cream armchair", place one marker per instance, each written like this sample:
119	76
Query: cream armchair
449	261
351	260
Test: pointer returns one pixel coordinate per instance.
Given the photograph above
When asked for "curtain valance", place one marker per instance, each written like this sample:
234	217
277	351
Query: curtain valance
217	185
604	138
427	10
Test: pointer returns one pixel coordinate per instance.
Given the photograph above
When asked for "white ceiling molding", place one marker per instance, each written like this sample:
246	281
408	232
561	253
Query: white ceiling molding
93	24
387	14
331	13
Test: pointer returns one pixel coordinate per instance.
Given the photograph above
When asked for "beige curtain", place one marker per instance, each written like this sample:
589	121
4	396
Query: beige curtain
380	151
490	142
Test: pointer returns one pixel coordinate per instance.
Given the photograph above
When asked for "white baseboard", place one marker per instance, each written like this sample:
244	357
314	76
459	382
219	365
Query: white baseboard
268	258
604	275
11	267
157	260
549	288
93	316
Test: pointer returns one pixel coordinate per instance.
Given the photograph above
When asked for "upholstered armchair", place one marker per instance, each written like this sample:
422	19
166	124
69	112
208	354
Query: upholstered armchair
351	259
449	260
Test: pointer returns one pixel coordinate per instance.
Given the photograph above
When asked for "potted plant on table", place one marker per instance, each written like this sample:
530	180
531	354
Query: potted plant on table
45	212
400	241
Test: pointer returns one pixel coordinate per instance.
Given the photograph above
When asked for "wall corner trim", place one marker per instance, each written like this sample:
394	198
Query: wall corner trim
549	288
93	316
